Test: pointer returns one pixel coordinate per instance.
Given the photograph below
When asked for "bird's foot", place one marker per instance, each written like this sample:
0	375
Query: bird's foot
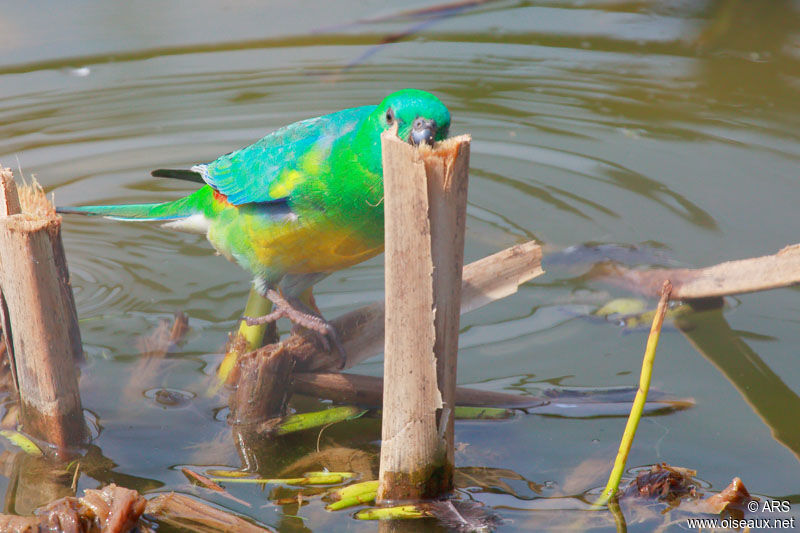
284	309
328	337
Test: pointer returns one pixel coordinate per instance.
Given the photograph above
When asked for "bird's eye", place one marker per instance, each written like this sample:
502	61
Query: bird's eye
389	116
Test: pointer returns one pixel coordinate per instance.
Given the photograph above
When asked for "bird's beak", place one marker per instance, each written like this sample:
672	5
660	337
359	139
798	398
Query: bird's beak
422	130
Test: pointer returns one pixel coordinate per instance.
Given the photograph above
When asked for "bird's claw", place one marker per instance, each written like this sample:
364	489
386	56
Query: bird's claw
328	338
283	309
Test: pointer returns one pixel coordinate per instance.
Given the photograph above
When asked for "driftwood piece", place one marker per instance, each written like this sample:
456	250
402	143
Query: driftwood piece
361	331
262	386
183	512
732	277
115	509
41	313
367	391
425	195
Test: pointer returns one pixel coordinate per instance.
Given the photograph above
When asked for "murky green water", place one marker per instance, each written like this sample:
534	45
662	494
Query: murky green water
670	125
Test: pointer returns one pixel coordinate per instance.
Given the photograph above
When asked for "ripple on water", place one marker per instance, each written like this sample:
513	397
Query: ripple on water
551	157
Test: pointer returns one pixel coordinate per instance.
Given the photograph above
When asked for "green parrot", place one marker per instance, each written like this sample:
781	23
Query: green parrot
299	204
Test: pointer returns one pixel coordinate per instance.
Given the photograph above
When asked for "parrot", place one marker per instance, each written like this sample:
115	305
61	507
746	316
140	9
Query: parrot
297	205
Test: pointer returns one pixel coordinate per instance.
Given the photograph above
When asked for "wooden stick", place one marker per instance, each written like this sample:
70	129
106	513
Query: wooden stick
261	392
43	321
425	209
732	277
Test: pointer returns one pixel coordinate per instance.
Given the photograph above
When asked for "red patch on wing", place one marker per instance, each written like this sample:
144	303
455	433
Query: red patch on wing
220	198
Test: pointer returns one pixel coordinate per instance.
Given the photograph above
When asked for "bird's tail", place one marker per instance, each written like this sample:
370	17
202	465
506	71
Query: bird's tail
175	210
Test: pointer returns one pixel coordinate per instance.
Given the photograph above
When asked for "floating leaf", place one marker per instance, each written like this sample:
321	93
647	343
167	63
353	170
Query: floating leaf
356	494
401	512
304	421
21	441
482	413
228	473
621	306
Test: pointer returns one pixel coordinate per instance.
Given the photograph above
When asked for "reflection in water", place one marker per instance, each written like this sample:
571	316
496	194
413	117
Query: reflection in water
775	402
751	53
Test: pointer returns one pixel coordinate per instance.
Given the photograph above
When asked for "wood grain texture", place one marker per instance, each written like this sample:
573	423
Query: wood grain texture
731	277
410	447
424	209
43	322
447	170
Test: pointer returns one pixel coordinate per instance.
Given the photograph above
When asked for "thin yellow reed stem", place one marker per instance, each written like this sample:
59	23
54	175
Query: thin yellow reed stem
641	397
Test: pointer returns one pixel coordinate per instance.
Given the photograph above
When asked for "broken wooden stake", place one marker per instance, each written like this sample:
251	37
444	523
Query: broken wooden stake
425	195
41	317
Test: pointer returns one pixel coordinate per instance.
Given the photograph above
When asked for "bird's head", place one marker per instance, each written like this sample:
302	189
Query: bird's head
418	115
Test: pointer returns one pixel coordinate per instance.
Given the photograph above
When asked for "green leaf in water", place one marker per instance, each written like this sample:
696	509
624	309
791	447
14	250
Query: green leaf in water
621	306
401	512
482	413
319	418
21	441
356	494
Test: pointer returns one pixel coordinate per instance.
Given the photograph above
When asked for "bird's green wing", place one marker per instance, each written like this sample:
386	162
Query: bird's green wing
269	169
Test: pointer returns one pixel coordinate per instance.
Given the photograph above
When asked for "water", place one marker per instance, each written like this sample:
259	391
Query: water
669	125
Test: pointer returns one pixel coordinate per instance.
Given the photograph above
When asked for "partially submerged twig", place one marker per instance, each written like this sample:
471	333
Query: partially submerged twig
165	338
262	387
732	277
181	511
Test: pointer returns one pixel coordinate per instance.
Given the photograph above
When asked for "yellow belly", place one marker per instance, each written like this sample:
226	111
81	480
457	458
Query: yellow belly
290	247
308	249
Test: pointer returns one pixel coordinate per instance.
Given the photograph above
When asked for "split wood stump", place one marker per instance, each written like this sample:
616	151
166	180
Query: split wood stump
40	322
